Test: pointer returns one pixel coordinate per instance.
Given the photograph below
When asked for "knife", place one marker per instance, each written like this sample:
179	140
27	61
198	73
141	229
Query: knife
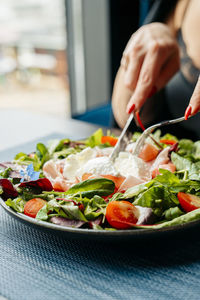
123	139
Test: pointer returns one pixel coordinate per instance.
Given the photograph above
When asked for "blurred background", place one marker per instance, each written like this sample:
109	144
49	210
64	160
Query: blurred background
60	57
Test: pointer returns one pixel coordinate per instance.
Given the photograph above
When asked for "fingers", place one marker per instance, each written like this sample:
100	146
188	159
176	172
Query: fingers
194	104
171	66
150	72
132	64
132	74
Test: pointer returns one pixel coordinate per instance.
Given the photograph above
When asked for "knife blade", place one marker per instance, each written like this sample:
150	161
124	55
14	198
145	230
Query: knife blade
122	140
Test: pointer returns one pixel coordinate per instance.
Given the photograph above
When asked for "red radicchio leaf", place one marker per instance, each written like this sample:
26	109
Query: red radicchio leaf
66	222
173	148
8	189
14	173
43	184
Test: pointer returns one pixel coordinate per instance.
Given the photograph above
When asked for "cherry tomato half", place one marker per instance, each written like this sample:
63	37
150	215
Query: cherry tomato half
121	214
32	207
188	202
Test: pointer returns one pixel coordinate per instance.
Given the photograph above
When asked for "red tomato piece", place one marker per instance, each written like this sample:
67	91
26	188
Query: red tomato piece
188	202
148	153
121	214
32	207
168	142
109	139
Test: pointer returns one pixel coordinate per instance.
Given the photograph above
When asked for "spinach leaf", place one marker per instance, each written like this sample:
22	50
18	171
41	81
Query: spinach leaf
42	153
158	198
91	187
134	191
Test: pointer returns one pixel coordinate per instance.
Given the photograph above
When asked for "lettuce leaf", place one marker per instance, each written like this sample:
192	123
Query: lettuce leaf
17	204
65	209
95	207
183	163
172	213
94	139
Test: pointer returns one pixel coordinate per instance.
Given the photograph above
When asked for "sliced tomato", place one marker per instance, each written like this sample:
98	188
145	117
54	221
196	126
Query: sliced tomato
188	202
32	207
121	214
109	139
148	152
170	167
168	142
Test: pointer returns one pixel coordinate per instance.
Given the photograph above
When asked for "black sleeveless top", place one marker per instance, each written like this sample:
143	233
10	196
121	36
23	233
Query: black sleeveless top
172	101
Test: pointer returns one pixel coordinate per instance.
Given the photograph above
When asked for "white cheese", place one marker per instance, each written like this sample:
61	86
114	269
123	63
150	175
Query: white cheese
75	161
128	164
99	166
87	161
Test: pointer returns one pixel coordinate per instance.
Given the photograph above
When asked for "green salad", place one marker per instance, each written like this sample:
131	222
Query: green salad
74	184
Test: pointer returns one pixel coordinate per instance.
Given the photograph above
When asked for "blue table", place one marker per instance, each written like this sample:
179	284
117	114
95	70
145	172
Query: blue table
40	265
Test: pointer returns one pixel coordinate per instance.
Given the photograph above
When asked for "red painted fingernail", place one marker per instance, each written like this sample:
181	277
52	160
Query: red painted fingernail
188	112
139	120
131	109
153	91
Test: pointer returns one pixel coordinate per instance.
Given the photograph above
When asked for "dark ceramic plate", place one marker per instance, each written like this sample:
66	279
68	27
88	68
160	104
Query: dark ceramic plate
108	236
132	235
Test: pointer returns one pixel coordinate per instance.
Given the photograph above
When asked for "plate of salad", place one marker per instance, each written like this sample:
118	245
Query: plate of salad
72	188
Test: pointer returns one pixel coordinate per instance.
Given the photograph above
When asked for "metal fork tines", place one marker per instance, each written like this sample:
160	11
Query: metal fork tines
141	141
123	139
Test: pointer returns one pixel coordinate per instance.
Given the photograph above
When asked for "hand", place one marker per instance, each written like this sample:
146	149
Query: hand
194	105
150	59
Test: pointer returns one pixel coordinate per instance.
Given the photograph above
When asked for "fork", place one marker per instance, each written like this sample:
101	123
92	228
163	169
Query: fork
123	139
141	140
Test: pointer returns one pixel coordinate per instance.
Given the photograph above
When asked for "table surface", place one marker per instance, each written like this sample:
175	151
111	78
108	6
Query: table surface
40	265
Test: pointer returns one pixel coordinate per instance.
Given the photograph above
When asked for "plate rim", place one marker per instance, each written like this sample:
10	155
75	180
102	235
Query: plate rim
94	232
